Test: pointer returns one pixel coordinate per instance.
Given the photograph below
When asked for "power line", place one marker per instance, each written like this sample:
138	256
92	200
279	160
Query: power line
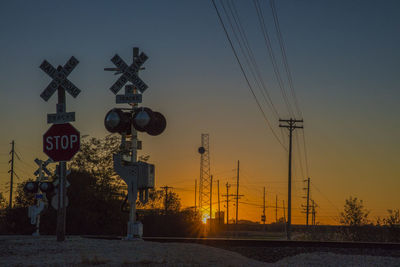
245	76
272	57
325	197
305	153
236	17
283	51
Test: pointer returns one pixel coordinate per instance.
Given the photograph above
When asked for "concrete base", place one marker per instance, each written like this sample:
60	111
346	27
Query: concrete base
135	231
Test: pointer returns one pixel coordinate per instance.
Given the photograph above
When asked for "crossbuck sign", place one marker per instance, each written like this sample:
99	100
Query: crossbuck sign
59	76
128	74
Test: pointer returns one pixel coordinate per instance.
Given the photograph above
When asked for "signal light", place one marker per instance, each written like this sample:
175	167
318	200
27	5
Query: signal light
118	121
143	120
46	187
31	187
157	124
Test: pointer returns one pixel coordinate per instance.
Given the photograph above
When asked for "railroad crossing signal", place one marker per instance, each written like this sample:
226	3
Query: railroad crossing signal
61	142
59	76
42	167
129	73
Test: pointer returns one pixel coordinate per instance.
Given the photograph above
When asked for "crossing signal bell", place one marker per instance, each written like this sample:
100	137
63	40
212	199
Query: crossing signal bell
143	120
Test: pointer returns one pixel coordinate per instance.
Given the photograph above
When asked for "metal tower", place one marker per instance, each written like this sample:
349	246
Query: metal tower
205	178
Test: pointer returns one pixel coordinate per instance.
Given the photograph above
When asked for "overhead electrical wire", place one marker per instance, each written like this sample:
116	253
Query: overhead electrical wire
236	17
271	54
245	76
284	56
243	43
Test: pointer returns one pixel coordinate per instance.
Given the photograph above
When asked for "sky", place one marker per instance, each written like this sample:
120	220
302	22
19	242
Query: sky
343	57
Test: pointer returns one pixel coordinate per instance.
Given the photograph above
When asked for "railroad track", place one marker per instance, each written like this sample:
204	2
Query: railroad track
227	242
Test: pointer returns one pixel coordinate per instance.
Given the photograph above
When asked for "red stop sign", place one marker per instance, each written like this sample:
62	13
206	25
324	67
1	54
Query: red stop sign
61	142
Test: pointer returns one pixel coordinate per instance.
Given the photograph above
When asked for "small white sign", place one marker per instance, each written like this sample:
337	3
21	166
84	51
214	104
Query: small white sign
136	98
59	118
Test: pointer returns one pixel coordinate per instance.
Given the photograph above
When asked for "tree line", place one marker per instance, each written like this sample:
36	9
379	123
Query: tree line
98	206
97	201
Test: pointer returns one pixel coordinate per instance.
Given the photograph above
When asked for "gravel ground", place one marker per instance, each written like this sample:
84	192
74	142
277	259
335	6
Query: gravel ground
268	254
77	251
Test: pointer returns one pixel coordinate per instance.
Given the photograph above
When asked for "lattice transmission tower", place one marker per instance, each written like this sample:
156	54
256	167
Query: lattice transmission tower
205	178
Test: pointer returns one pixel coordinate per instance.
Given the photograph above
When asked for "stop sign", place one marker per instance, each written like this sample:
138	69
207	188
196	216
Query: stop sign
61	142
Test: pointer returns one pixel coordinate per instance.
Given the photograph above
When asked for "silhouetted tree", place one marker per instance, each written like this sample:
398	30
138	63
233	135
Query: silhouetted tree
393	218
3	202
23	199
354	213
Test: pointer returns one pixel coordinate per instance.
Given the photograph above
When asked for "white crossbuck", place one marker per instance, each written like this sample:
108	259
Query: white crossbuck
59	76
128	73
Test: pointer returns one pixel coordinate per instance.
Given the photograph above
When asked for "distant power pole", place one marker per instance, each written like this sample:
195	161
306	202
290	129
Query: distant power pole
219	210
308	200
11	171
291	127
284	211
276	208
211	184
195	194
237	193
264	218
166	198
227	202
313	212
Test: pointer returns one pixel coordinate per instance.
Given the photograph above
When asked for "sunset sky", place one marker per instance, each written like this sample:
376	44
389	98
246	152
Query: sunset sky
344	59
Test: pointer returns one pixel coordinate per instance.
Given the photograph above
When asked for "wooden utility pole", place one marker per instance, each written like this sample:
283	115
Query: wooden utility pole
237	193
308	200
195	194
264	218
211	184
276	208
227	203
166	198
11	171
313	212
291	127
219	210
284	211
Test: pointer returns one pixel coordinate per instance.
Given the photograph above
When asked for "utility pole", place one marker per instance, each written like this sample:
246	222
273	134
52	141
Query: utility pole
211	184
195	194
291	127
166	198
284	215
313	212
227	203
308	200
264	218
284	211
276	208
237	193
11	172
219	211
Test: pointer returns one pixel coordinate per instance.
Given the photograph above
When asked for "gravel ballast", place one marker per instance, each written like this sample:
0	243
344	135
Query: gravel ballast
77	251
